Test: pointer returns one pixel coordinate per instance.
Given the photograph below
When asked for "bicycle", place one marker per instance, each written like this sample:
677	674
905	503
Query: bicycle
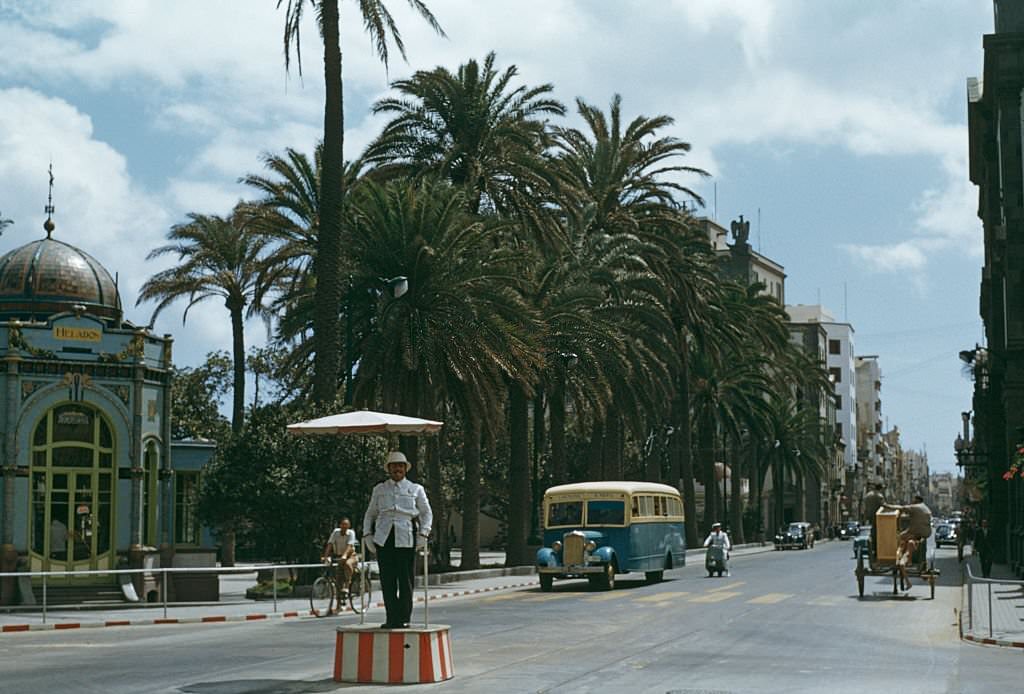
325	598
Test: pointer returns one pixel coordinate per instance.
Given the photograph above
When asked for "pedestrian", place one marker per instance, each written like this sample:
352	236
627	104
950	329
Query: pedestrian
396	507
873	501
983	547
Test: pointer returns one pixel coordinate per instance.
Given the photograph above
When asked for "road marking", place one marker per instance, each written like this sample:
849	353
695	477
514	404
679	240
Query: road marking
827	601
714	597
546	597
770	598
503	596
662	597
728	586
610	595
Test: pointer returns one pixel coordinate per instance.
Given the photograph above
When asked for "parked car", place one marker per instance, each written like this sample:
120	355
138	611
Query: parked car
848	530
796	535
862	542
947	534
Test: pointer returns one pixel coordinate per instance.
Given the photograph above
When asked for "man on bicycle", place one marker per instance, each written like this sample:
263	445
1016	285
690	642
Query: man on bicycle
342	544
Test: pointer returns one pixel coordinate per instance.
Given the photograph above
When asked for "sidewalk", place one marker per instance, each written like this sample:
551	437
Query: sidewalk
993	612
235	607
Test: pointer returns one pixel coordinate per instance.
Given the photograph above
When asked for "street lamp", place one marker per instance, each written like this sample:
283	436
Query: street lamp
397	288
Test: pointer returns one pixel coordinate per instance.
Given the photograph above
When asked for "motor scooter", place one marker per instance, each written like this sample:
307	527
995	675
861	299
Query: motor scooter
716	559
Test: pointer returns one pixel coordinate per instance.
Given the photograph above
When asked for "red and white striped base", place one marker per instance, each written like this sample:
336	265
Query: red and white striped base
393	656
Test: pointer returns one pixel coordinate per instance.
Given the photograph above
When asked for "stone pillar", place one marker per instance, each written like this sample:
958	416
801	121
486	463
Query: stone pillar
8	553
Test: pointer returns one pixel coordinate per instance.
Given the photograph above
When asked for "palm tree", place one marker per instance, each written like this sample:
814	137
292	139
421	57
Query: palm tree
381	26
217	258
473	128
457	334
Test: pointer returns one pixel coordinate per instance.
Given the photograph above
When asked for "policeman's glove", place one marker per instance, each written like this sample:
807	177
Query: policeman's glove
421	541
368	544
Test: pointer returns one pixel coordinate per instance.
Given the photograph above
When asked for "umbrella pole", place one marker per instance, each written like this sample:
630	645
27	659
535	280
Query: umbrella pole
363	578
426	584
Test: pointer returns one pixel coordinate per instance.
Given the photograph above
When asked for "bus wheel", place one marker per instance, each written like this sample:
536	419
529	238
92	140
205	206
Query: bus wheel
546	582
606	581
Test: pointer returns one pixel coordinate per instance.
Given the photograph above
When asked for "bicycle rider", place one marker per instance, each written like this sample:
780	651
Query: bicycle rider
342	544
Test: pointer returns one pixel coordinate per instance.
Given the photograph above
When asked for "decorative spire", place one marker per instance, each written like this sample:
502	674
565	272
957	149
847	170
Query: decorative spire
48	224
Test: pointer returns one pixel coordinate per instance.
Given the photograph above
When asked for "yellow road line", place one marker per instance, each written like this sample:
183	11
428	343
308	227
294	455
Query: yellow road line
547	596
770	598
662	597
610	595
714	597
827	601
728	586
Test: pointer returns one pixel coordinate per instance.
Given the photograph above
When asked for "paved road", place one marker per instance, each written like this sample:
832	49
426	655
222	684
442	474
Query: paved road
783	622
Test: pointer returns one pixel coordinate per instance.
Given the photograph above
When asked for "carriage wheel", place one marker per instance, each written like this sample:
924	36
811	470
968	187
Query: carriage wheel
895	580
931	584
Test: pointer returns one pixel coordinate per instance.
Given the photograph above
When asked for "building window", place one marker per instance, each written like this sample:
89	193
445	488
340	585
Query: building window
839	402
836	373
833	347
186	507
150	474
839	429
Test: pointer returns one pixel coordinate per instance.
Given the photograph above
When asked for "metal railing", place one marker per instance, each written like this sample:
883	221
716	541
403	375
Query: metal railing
980	603
163	578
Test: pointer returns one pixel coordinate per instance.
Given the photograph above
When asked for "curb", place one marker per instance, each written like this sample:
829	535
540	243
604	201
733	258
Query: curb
992	642
220	619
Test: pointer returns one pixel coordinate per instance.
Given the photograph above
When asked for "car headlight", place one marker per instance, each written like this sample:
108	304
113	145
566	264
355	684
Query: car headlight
590	546
556	546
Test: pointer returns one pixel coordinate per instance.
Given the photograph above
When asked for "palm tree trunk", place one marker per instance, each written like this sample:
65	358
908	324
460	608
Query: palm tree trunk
779	487
736	490
326	329
798	488
471	493
556	406
238	359
613	448
595	453
441	554
681	466
706	455
518	478
538	454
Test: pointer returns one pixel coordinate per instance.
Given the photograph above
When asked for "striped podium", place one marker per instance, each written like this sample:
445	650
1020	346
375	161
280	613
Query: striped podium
417	655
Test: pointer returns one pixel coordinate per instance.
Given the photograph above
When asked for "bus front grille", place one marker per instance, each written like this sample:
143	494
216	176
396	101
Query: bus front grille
572	548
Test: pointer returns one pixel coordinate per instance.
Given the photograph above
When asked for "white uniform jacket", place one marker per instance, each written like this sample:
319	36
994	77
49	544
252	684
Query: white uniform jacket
395	505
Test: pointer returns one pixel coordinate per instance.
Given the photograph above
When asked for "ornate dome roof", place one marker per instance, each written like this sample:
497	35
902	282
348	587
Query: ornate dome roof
48	276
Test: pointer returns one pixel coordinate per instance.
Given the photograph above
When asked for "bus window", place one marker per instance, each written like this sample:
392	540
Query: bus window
636	506
646	506
565	513
665	501
606	513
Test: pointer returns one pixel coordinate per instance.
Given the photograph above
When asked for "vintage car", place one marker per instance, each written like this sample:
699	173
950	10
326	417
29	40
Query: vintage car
848	530
862	542
796	535
947	534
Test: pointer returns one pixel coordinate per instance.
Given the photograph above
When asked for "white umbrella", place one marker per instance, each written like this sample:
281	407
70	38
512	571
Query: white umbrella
364	422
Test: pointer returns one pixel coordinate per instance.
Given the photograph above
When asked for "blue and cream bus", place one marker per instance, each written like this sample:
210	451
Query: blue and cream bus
599	529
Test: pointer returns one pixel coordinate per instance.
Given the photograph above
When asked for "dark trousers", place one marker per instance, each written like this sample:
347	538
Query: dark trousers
396	565
986	563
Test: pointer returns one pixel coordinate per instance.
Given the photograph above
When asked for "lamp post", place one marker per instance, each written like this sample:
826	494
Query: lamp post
397	287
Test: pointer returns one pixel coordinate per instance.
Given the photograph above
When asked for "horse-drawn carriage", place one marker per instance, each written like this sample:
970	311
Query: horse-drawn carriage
884	558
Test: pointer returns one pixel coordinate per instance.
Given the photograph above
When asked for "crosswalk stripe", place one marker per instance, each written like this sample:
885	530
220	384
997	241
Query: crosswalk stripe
662	597
770	598
827	601
714	597
547	596
728	586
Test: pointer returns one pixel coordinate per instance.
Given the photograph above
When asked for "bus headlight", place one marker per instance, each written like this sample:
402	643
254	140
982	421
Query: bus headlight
557	546
590	546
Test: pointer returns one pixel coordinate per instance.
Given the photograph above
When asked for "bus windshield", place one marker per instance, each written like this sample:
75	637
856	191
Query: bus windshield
561	513
606	513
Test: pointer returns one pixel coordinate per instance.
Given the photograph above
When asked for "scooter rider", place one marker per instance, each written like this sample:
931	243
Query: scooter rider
718	538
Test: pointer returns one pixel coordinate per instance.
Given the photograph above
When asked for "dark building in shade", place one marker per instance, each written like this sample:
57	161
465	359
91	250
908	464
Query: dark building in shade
84	426
995	123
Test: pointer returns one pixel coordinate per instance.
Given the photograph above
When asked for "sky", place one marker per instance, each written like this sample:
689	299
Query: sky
838	128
